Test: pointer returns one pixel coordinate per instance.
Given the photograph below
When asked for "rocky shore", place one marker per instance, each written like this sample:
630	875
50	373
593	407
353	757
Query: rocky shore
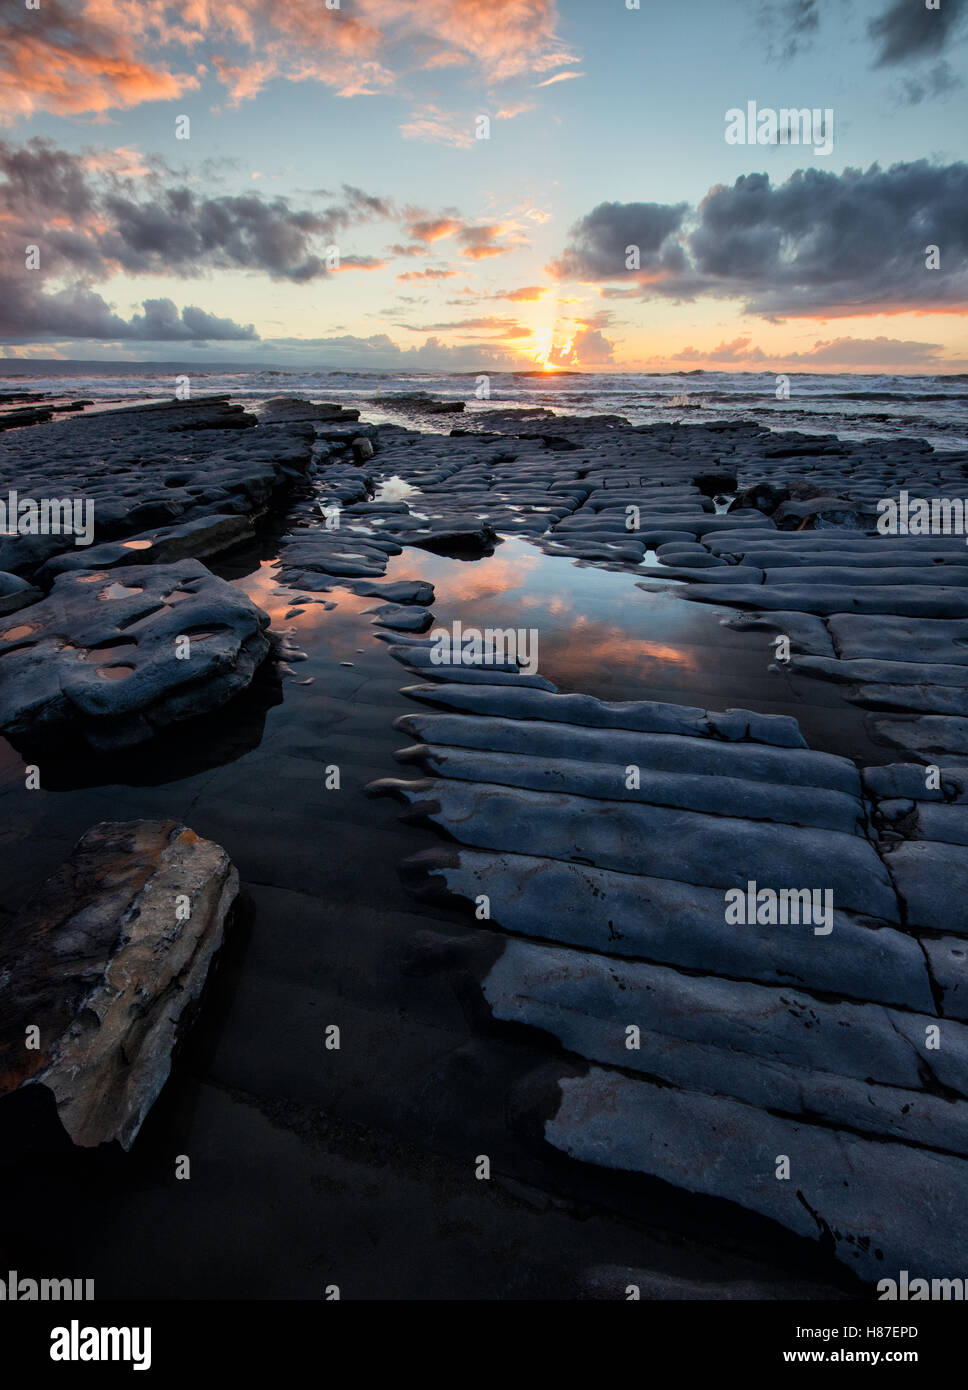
559	986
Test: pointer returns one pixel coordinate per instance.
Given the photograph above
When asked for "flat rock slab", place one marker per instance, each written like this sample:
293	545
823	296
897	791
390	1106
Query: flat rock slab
16	593
198	538
932	881
148	467
400	618
111	659
892	638
107	961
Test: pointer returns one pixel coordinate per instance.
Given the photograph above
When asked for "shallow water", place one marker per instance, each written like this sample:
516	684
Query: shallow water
595	632
330	924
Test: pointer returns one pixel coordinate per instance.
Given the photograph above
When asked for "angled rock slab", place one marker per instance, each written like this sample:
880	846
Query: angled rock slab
653	753
108	961
714	851
643	716
660	919
844	1063
909	600
730	796
877	1206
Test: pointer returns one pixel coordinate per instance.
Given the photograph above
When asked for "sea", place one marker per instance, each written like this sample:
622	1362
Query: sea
931	407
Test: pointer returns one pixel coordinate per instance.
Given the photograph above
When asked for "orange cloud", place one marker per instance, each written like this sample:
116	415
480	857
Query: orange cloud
97	55
39	72
526	295
429	229
559	77
427	275
505	38
443	127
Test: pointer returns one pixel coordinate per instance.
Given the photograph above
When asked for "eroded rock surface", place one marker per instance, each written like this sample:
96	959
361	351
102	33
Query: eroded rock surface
110	657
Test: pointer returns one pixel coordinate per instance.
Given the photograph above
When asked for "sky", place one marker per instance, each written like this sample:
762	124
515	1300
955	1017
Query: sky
486	184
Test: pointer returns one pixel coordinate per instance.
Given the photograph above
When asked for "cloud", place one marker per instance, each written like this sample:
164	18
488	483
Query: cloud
162	321
89	219
907	31
501	327
427	275
935	82
381	353
867	352
92	56
439	127
738	350
587	347
791	25
504	38
516	108
600	241
526	295
840	353
481	242
559	77
69	60
820	244
27	315
421	228
358	263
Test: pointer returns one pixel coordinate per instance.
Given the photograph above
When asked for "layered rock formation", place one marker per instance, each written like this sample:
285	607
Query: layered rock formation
101	970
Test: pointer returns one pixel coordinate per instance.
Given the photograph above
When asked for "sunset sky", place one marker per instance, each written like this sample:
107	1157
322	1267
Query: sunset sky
356	128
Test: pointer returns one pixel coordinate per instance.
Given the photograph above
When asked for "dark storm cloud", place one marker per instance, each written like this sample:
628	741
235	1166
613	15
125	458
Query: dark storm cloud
838	241
90	217
29	315
820	242
39	176
599	241
907	30
161	320
179	232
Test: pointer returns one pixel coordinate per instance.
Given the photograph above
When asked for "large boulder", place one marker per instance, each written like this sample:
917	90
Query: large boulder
107	963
